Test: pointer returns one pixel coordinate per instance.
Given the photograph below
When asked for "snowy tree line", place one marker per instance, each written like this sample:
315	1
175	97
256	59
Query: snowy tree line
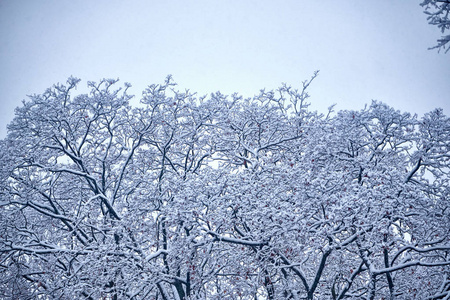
221	197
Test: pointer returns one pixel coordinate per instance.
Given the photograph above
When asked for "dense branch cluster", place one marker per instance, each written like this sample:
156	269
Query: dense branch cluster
221	198
438	12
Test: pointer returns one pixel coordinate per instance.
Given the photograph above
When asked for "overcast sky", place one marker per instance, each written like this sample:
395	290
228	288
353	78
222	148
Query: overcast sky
372	49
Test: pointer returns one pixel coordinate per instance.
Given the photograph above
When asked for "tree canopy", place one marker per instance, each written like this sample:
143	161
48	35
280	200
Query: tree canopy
221	197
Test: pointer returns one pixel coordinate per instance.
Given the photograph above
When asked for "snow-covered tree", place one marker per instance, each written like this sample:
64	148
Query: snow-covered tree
221	198
438	12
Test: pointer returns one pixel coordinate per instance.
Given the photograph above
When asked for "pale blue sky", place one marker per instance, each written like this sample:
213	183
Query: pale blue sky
372	49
